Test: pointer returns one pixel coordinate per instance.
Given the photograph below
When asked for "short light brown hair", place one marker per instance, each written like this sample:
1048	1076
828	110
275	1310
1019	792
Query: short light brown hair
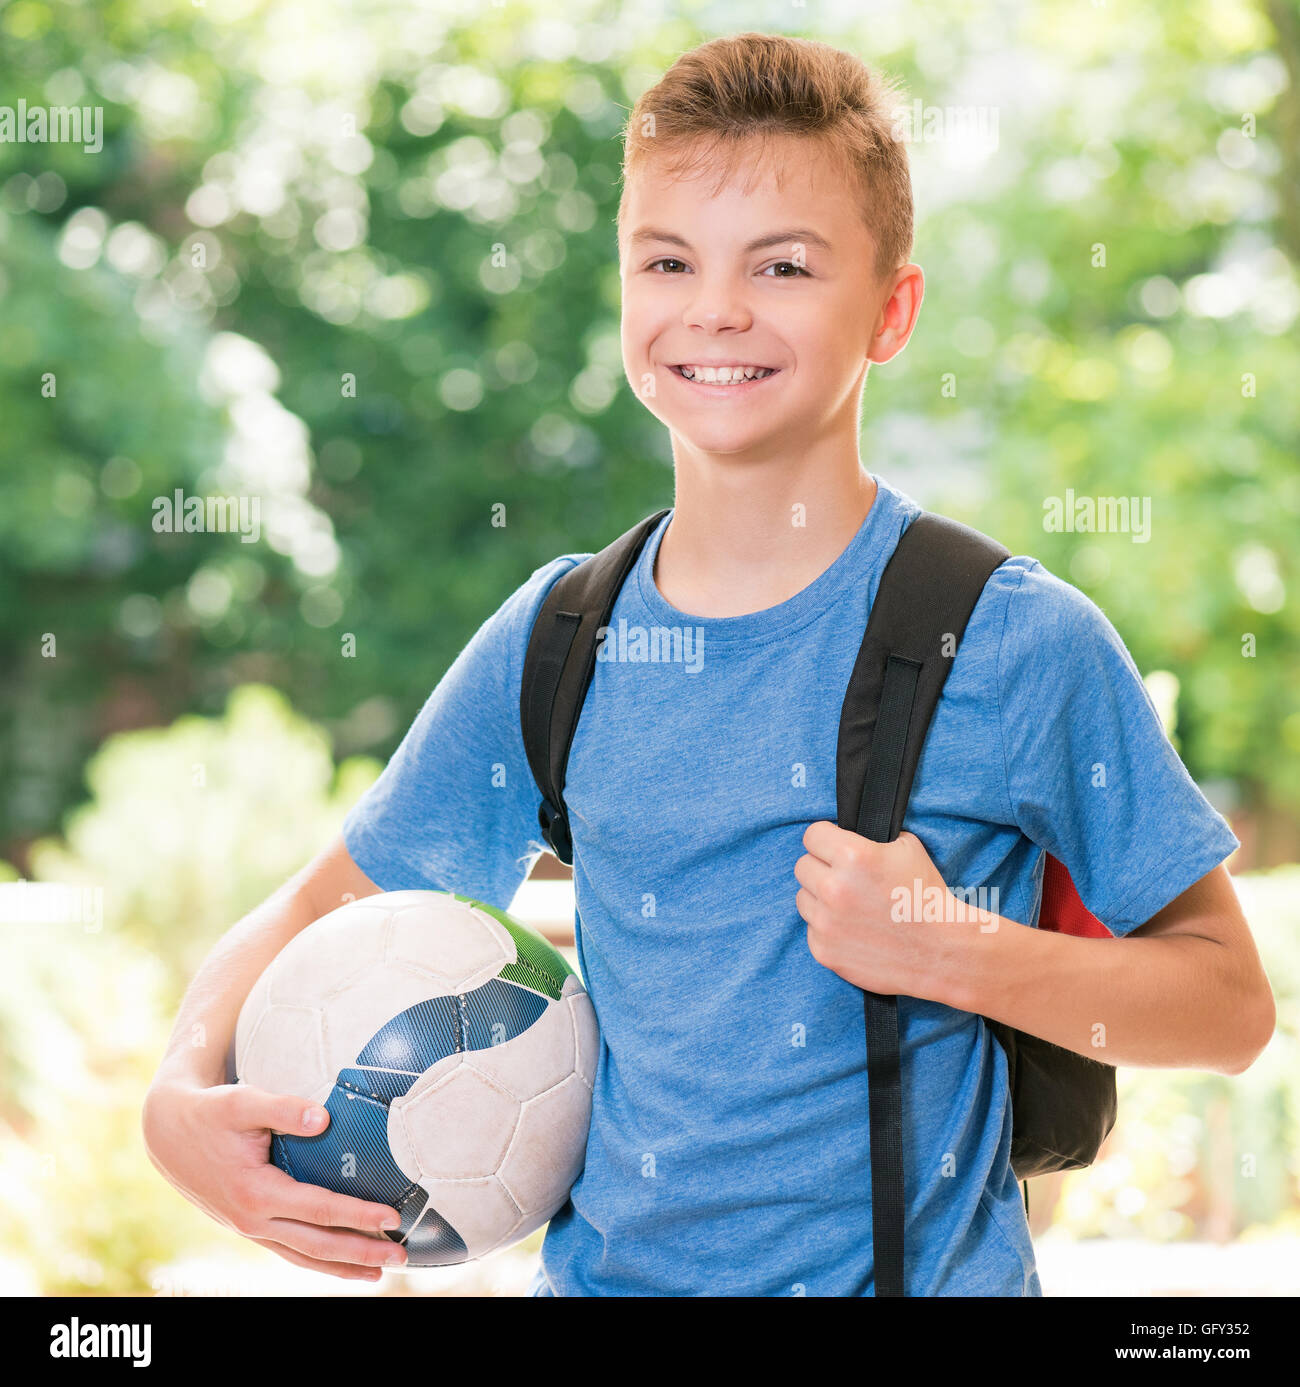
730	89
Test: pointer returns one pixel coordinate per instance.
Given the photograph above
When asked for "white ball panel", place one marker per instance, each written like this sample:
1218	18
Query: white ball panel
325	956
586	1030
537	1059
400	1137
401	900
249	1015
449	939
285	1054
456	1126
549	1149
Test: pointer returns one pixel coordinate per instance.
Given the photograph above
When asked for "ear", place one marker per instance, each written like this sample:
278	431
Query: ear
898	313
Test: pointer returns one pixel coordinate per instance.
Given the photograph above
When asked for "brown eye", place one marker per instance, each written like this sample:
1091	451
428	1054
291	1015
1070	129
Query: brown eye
787	265
667	260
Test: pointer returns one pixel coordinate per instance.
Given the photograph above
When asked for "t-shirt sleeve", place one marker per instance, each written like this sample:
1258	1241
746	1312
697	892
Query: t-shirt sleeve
1091	775
456	807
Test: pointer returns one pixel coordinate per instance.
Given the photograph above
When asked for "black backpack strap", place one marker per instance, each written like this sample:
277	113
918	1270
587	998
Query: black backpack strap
558	665
927	592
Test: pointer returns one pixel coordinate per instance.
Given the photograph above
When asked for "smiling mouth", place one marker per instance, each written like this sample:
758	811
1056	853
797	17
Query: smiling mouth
725	375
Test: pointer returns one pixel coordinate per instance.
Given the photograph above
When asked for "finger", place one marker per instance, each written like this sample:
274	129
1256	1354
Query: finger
346	1270
826	840
292	1199
808	906
813	874
254	1109
327	1246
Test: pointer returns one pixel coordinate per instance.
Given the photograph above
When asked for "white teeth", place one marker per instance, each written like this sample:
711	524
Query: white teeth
725	375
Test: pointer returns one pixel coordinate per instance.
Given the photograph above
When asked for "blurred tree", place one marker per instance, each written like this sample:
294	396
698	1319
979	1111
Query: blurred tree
190	826
360	264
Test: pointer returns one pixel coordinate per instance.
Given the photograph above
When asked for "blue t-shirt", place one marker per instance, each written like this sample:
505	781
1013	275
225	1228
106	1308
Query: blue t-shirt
728	1151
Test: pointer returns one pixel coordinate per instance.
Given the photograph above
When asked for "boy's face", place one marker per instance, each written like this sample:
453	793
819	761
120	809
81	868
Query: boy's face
778	277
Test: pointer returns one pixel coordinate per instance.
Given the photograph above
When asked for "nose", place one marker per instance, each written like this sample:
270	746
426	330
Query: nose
717	305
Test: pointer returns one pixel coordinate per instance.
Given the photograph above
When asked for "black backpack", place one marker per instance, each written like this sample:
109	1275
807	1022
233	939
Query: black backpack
1063	1104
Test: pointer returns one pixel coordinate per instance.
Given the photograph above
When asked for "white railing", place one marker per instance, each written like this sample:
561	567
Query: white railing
547	906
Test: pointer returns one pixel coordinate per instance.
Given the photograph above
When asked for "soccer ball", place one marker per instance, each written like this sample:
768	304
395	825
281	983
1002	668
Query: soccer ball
455	1052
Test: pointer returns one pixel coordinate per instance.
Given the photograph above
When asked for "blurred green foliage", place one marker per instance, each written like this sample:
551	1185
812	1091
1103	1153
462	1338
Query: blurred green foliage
233	805
188	829
291	197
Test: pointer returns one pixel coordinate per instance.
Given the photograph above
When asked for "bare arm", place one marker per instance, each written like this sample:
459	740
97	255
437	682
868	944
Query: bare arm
211	1140
1185	990
205	1024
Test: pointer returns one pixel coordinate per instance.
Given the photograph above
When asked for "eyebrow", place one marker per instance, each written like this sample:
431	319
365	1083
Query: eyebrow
777	238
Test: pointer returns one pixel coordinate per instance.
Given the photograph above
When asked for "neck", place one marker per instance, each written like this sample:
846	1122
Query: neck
744	538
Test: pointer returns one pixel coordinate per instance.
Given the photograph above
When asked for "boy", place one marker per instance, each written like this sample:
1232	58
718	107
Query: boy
725	924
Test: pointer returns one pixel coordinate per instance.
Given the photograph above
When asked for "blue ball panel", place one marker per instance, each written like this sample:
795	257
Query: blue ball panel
499	1011
390	1062
358	1129
416	1039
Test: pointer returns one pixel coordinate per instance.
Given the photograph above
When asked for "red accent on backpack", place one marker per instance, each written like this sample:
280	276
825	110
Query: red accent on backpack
1063	910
